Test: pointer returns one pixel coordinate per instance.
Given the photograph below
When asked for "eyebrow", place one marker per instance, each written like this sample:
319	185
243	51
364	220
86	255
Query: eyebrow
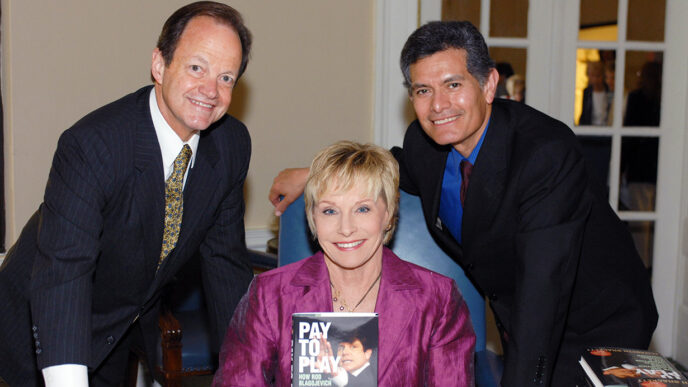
454	78
200	59
449	79
207	64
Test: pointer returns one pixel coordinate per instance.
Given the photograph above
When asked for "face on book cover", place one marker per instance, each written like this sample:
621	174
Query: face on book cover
353	355
350	226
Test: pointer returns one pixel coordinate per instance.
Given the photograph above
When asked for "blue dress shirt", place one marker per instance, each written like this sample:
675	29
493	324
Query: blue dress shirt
451	211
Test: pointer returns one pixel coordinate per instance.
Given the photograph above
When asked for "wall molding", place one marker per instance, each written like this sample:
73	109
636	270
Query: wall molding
394	22
257	239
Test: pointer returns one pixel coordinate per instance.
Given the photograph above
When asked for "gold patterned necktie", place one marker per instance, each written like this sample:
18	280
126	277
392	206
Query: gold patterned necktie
174	202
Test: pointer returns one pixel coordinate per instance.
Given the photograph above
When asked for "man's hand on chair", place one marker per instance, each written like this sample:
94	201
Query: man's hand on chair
287	187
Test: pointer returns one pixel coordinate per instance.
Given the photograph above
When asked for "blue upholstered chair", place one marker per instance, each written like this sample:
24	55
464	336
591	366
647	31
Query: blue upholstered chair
185	344
411	242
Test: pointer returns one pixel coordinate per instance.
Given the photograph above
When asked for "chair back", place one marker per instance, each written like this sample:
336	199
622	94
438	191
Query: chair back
412	242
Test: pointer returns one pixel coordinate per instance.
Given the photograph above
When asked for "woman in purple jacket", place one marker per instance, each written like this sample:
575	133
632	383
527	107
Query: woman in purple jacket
351	196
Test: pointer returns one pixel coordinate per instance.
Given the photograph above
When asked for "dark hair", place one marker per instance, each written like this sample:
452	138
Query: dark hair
504	69
438	36
222	13
359	334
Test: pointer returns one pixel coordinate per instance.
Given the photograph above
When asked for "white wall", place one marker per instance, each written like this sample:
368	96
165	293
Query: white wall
308	84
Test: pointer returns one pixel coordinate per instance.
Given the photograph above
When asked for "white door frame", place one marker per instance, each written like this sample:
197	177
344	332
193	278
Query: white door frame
553	30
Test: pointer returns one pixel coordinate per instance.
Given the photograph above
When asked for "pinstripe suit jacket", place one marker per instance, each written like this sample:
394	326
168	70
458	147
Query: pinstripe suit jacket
84	267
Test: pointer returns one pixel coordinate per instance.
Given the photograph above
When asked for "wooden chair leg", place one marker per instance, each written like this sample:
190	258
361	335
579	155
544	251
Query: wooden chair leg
171	337
132	370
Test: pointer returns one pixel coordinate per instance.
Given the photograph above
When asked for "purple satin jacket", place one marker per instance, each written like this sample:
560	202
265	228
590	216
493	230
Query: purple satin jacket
426	336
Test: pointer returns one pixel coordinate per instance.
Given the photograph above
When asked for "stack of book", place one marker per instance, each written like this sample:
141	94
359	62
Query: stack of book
607	367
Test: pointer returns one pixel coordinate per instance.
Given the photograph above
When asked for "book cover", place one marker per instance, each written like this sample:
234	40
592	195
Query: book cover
606	367
334	349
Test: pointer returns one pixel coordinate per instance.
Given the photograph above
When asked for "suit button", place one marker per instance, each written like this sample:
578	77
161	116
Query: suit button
38	344
110	340
493	297
38	351
35	335
470	267
34	328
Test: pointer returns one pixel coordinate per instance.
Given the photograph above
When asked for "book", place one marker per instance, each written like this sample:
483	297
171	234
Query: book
609	366
334	349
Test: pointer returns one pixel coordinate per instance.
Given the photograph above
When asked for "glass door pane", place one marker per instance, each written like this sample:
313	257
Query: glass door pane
509	18
643	88
462	10
646	20
598	20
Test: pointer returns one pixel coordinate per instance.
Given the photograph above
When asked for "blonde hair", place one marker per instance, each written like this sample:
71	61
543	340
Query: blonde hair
512	82
342	165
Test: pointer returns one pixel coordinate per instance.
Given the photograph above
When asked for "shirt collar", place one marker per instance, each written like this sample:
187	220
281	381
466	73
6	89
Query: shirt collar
170	143
358	371
474	153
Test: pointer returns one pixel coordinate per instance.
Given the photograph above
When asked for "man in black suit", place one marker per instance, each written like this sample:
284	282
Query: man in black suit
354	351
506	192
83	281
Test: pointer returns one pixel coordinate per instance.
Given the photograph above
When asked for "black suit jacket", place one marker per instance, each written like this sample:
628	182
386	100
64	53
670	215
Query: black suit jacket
588	107
541	241
367	378
84	267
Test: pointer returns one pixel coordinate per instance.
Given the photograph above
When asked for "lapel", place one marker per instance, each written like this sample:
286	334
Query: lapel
395	306
150	187
488	178
436	163
310	291
310	286
430	174
201	184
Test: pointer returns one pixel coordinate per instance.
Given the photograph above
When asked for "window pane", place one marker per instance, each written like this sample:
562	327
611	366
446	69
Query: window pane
643	235
511	63
462	10
509	18
594	88
643	88
597	152
638	182
646	20
598	19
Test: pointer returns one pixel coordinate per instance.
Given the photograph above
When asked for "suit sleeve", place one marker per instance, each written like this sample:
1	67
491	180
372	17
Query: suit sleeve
405	181
68	245
249	352
452	344
552	213
225	265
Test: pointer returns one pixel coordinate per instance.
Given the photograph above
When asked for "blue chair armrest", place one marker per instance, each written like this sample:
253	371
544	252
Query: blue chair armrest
489	368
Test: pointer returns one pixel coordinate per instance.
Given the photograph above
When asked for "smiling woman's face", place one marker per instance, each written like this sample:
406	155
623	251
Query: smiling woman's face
350	226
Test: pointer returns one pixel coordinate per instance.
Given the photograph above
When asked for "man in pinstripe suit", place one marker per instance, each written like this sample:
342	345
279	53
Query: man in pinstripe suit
82	283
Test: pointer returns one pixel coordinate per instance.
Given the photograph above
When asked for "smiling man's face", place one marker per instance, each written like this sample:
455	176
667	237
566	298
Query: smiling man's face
195	89
451	105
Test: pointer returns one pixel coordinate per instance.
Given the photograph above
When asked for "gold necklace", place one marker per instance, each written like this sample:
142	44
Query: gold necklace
342	303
